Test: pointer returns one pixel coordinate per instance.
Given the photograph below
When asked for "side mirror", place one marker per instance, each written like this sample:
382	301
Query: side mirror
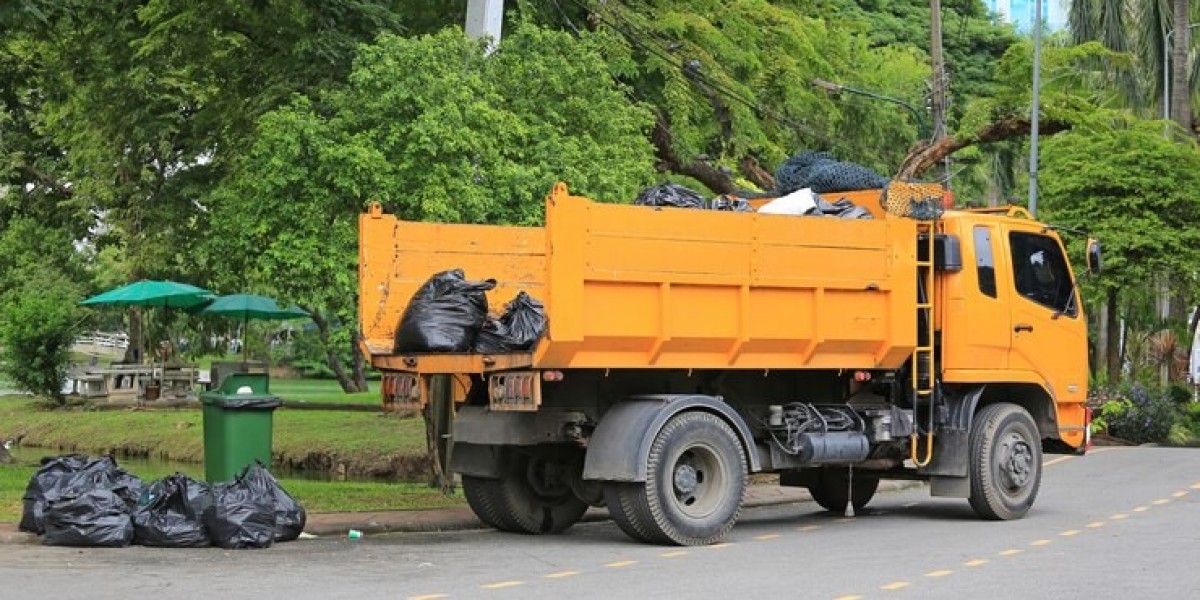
1093	256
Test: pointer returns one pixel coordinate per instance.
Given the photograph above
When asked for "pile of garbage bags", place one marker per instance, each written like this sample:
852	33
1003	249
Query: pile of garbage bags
449	313
78	500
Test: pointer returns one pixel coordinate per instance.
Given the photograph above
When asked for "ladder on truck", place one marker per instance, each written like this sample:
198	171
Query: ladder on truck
923	203
924	369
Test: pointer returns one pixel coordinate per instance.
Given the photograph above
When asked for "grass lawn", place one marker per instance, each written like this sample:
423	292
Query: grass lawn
365	442
314	496
322	390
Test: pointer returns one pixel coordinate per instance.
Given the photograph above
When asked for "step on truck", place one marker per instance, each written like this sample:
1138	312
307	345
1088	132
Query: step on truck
687	349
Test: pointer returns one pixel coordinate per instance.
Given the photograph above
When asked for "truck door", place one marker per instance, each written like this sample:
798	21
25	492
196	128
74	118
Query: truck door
1049	335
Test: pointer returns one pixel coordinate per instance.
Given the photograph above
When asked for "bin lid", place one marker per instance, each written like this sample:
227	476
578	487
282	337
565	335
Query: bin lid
241	401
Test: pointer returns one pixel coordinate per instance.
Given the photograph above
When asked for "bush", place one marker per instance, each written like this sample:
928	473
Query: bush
38	325
1140	414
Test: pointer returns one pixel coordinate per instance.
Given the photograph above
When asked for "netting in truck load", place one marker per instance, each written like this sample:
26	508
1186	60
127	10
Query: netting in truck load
822	173
921	201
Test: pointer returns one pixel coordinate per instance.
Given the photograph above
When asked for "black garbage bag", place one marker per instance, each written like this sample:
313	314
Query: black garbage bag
290	517
728	203
171	513
97	517
445	314
518	329
240	516
74	474
670	194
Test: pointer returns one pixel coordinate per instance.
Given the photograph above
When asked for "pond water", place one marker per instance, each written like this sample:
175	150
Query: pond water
31	455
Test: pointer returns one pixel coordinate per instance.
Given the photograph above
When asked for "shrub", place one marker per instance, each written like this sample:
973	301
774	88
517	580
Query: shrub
38	325
1141	415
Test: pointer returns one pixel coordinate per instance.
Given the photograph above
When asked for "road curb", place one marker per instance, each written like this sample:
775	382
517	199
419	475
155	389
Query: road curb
459	519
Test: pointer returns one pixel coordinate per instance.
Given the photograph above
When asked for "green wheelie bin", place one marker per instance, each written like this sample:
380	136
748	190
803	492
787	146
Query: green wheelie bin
238	419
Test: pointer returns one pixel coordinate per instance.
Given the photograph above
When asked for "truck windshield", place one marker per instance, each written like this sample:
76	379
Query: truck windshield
1040	272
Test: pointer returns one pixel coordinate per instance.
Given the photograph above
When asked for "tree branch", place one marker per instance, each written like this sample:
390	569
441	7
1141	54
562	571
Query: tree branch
716	180
924	155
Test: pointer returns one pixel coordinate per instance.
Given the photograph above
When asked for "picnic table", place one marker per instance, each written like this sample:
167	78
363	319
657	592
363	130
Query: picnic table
134	382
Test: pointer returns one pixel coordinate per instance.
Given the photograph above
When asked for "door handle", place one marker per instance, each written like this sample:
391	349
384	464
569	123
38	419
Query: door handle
1019	327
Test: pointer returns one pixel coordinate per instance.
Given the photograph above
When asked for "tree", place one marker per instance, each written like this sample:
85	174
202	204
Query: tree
1142	200
434	130
38	324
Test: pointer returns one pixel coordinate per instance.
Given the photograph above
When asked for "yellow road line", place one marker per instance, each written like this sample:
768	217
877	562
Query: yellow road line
1069	533
808	528
848	598
895	585
766	536
1056	460
721	545
427	597
1010	552
1096	524
621	563
941	573
1196	486
1041	542
1161	501
674	554
976	562
1119	516
1179	494
502	584
561	574
1141	509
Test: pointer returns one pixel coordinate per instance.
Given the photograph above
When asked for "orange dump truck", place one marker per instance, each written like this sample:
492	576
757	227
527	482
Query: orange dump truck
689	348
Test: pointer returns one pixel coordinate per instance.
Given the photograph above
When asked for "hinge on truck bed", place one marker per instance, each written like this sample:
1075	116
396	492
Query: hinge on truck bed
924	369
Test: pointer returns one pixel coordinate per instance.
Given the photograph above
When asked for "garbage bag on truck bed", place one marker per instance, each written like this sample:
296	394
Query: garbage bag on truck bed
289	515
444	315
171	513
518	329
670	194
74	474
97	517
240	516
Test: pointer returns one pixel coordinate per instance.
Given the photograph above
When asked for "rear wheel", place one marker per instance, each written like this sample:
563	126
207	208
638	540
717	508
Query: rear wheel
695	480
532	495
835	487
1005	462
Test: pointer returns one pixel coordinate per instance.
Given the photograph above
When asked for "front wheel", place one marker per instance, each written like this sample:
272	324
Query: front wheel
1005	462
695	479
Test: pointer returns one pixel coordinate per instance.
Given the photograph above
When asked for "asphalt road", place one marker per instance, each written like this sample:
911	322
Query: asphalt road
1120	523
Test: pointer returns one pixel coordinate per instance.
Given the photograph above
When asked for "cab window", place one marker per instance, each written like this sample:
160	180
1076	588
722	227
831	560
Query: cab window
985	264
1040	272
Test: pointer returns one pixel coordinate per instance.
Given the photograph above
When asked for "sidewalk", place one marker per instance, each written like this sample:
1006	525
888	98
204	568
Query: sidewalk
450	519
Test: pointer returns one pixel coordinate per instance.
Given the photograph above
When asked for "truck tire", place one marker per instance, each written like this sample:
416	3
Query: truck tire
483	496
695	480
532	495
1005	462
832	488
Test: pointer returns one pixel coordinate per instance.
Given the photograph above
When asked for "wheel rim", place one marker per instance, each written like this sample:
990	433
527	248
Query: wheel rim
698	481
546	480
1015	463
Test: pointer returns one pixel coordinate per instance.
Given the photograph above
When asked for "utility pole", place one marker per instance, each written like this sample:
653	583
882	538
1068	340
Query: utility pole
938	89
1036	108
484	19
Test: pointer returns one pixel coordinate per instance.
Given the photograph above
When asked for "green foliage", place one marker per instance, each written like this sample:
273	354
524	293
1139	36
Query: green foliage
38	323
1138	414
1142	199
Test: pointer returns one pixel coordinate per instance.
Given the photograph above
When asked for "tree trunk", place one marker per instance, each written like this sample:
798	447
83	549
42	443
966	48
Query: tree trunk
924	155
938	104
1181	105
1113	351
359	366
1100	360
331	357
134	351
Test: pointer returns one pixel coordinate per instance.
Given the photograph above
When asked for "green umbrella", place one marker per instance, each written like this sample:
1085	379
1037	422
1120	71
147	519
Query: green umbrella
152	293
147	292
251	306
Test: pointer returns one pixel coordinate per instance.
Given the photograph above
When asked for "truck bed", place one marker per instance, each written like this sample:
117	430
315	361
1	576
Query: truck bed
638	287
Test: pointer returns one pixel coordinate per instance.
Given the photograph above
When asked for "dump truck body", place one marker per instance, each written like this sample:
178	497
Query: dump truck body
686	348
